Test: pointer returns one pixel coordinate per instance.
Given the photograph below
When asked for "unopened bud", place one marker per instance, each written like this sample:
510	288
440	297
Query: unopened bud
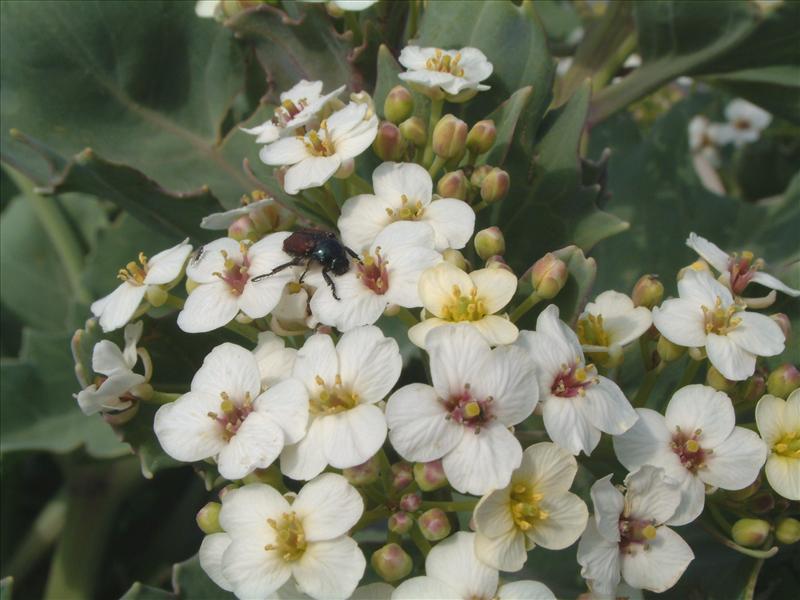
270	476
391	562
495	186
750	533
497	262
399	104
648	291
481	137
489	242
761	503
388	144
717	381
745	493
449	136
334	10
400	522
784	323
414	131
224	490
453	185
783	381
121	417
411	502
548	276
787	531
156	295
430	476
243	228
345	169
208	518
363	474
753	388
402	475
455	258
434	524
479	174
668	351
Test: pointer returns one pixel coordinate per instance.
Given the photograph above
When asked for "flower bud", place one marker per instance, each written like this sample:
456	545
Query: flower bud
400	522
399	104
333	10
453	185
495	186
391	562
753	388
745	493
208	518
761	503
648	291
784	323
489	242
717	381
668	351
402	475
449	136
787	531
392	310
434	524
548	276
124	416
411	502
497	262
430	475
345	169
363	474
479	174
414	131
783	381
388	144
481	137
455	258
156	295
750	533
243	228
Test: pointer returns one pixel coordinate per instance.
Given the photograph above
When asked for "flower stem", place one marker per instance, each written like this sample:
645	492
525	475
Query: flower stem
734	546
438	163
419	540
526	305
386	474
649	382
480	206
407	317
436	114
750	588
369	517
689	372
455	506
162	398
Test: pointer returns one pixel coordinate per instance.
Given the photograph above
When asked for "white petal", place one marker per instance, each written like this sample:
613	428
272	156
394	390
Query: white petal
259	298
496	287
363	218
436	286
357	304
607	408
357	140
425	588
701	288
457	354
549	324
245	511
328	507
770	418
757	334
693	498
330	569
608	505
286	403
419	429
550	468
369	362
418	334
132	335
286	151
709	252
681	322
567	516
252	571
209	306
303	89
660	567
211	259
524	590
165	266
509	376
736	462
624	329
275	361
774	283
119	306
730	359
492	514
505	552
305	459
210	555
783	474
600	560
483	461
568	426
352	437
257	443
496	330
453	222
652	495
317	357
392	180
108	359
311	172
266	133
230	369
373	591
646	443
453	562
184	429
701	407
548	354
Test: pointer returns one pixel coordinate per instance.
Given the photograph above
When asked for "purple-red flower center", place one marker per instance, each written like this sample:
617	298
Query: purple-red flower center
372	272
572	380
468	410
688	449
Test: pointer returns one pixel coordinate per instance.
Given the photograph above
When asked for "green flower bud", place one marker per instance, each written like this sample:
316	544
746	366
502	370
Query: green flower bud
489	242
400	522
648	291
481	137
753	388
453	185
548	276
411	502
787	531
399	104
208	518
783	381
402	475
497	262
430	476
717	381
392	310
363	474
156	295
391	562
434	524
668	351
479	174
271	476
449	136
414	131
388	144
750	533
495	185
455	258
243	228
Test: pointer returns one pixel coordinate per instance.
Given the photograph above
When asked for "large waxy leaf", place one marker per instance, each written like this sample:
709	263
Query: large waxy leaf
189	582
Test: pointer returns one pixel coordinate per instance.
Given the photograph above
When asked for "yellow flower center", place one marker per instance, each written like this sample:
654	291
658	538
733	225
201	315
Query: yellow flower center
636	532
287	111
525	506
318	142
788	445
232	415
290	539
408	211
720	320
444	63
464	307
591	331
332	399
133	273
687	448
236	273
573	380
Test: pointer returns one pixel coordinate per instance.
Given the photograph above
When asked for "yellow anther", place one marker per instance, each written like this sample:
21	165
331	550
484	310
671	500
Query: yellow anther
472	409
319	380
520	488
649	532
338	379
692	446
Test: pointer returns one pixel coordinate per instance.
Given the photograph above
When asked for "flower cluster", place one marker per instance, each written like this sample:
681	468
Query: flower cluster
379	369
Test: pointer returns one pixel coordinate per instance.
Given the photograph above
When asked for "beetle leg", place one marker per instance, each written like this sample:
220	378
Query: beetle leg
330	283
303	276
352	253
292	263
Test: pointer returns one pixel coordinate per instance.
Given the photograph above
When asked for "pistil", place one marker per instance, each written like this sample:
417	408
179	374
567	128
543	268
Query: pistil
290	539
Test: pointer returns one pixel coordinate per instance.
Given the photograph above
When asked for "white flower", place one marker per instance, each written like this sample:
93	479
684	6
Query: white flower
610	323
317	155
275	361
697	443
453	571
577	402
265	214
272	540
704	139
745	123
225	415
706	315
779	423
464	419
403	192
206	9
224	271
453	296
535	508
388	273
344	384
119	306
300	106
292	315
629	535
737	271
354	5
454	71
119	385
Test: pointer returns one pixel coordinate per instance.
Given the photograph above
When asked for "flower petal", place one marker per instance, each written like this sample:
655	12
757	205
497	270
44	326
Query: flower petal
392	180
457	356
425	588
167	265
317	358
184	429
211	259
774	283
352	437
693	498
210	555
701	407
305	459
505	552
568	426
600	560
358	139
418	334
369	362
363	218
256	445
245	511
492	515
483	461
730	359
119	306
436	286
229	369
783	474
311	172
701	288
496	287
757	334
660	567
646	443
209	306
567	516
496	330
709	252
357	305
769	418
524	590
330	569
252	571
607	408
652	495
608	505
550	468
453	562
328	506
286	403
736	462
107	359
286	151
453	222
681	322
275	361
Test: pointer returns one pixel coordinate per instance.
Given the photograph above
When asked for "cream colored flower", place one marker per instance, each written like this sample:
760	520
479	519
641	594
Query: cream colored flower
457	73
609	324
779	424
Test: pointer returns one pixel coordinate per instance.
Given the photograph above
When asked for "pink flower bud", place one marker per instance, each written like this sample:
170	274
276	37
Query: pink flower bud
750	533
402	475
434	524
481	137
783	381
449	137
388	144
430	476
400	522
391	562
208	518
411	502
363	474
648	291
548	276
414	131
453	185
495	185
490	242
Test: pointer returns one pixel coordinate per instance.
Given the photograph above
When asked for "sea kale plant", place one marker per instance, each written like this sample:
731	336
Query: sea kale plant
400	299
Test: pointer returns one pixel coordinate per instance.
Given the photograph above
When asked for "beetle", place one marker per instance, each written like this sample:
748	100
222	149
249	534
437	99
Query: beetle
309	246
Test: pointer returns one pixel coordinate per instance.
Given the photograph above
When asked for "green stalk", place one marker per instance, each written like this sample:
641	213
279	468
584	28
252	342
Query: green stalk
649	382
161	398
689	372
407	317
419	540
526	305
436	114
438	163
750	588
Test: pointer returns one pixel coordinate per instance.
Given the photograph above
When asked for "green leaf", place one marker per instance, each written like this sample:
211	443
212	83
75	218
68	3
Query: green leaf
6	587
776	88
191	582
140	591
506	119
